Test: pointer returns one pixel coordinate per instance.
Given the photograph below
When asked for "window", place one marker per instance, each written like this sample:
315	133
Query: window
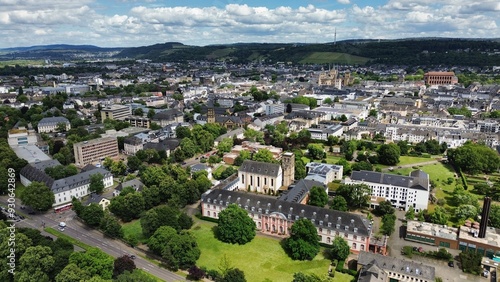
320	230
362	247
208	213
258	181
346	235
242	179
354	237
328	240
251	180
272	182
265	180
354	245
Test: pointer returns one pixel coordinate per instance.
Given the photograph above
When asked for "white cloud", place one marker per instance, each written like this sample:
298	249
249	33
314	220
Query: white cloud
31	22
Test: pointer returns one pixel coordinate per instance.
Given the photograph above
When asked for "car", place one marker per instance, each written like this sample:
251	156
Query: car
184	163
131	256
451	264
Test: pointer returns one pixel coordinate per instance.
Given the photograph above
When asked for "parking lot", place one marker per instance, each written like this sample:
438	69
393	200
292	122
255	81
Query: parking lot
451	274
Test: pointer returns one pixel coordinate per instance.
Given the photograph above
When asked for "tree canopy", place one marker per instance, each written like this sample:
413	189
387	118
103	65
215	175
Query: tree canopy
474	158
388	154
235	226
38	196
317	197
303	241
356	195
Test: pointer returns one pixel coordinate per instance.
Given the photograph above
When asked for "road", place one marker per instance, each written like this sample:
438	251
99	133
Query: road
411	165
89	236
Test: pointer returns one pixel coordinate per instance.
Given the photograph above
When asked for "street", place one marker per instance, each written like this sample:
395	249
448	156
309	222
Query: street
89	236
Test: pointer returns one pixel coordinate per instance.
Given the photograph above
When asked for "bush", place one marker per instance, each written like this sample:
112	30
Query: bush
340	265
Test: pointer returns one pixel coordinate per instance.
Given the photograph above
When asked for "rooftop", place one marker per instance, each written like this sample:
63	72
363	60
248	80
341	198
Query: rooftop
418	180
262	168
435	230
95	141
30	153
409	268
492	237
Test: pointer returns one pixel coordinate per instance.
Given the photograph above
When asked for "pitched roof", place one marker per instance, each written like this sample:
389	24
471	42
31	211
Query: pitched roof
268	169
421	182
261	204
409	268
52	121
164	145
134	183
168	114
297	191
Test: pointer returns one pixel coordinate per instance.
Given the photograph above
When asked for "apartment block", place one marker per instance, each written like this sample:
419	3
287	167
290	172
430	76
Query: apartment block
88	152
115	112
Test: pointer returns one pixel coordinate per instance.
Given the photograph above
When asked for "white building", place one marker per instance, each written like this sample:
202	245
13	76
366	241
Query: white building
324	173
275	108
402	191
66	188
260	177
50	124
21	137
321	132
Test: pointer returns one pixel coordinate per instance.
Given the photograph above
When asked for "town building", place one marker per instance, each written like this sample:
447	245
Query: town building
402	191
440	78
136	184
324	173
298	192
168	116
101	201
115	112
93	151
21	136
288	166
260	177
136	121
64	189
322	131
278	108
131	145
51	124
276	217
375	267
433	234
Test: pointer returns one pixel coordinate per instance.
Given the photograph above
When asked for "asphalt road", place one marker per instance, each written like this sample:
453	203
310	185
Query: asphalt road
89	236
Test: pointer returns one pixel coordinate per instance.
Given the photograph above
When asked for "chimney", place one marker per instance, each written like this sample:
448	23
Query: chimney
484	217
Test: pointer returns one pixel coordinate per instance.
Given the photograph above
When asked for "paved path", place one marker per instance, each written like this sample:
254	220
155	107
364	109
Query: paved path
92	237
411	165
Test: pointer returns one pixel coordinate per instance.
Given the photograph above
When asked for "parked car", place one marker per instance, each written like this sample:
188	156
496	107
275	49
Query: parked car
451	264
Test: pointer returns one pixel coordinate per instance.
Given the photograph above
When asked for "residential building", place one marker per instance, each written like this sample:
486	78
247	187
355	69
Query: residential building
322	131
167	145
132	145
324	173
260	177
402	191
134	183
99	200
275	217
278	108
115	112
440	78
136	121
93	151
168	116
50	124
64	189
374	267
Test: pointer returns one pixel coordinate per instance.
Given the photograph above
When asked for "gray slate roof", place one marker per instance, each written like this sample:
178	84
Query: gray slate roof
419	179
267	169
297	191
134	183
262	204
52	121
410	268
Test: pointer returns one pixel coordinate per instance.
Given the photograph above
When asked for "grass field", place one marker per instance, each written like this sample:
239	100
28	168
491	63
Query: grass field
20	63
261	259
134	228
333	57
406	160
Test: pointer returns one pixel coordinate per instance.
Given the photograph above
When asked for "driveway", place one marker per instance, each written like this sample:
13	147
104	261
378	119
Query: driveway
397	242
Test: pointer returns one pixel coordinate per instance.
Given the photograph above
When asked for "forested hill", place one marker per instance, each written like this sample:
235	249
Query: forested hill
432	51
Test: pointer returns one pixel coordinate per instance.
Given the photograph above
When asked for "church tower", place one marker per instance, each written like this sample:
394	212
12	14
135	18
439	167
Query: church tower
211	115
288	166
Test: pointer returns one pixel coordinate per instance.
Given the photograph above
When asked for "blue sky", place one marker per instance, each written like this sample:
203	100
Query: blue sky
124	23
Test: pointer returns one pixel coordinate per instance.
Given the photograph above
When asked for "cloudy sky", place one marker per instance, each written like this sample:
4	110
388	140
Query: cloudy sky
124	23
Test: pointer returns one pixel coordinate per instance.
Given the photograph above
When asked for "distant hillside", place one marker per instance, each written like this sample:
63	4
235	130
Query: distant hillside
405	52
409	52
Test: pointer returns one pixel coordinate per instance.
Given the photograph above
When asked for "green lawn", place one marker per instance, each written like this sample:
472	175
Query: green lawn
134	228
406	160
219	169
333	57
261	259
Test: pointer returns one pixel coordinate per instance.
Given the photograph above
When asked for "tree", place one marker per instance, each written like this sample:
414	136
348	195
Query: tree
465	212
404	147
254	135
357	195
234	275
303	241
110	226
94	261
139	112
118	168
72	273
317	197
225	145
38	196
133	163
340	248
127	207
159	216
96	183
388	154
439	216
162	235
263	155
339	203
181	251
328	101
373	113
316	151
301	277
35	264
300	169
384	208
410	214
388	224
135	275
362	166
122	264
92	214
235	226
474	158
195	273
182	132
